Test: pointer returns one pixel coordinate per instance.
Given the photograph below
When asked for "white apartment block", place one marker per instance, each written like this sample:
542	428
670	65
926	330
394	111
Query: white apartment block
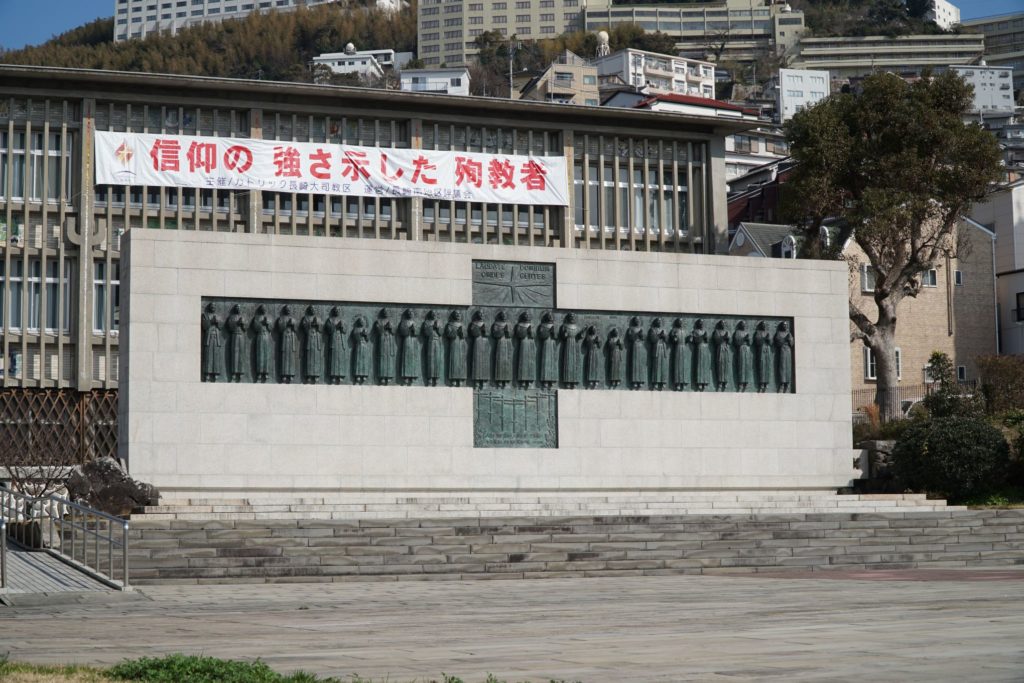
944	13
993	88
139	18
799	89
453	81
447	31
368	64
846	57
658	73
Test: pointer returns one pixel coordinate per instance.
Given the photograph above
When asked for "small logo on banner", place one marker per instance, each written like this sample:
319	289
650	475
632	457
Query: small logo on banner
124	153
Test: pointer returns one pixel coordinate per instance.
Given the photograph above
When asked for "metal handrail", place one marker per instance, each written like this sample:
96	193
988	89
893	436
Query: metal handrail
70	520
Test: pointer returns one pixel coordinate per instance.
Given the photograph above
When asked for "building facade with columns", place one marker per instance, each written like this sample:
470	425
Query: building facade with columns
638	180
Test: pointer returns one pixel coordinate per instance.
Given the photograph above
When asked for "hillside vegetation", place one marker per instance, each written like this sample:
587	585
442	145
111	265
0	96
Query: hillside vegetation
274	46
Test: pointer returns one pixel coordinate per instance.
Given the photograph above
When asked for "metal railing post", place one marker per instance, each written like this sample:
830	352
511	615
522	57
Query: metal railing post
124	552
3	553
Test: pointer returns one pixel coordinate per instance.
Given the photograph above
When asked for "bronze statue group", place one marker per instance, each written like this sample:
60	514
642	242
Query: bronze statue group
421	349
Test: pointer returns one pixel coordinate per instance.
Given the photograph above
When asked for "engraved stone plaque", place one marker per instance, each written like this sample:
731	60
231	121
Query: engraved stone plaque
507	283
515	418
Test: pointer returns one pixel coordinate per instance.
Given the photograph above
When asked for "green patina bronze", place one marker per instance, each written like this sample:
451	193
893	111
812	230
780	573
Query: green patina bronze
512	346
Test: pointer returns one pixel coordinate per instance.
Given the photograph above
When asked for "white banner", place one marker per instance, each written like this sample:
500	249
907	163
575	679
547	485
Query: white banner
324	168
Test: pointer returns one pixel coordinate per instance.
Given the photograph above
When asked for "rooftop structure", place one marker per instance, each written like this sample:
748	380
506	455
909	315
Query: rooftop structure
139	18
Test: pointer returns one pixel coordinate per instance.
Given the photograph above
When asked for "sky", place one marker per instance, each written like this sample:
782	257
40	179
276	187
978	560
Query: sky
30	22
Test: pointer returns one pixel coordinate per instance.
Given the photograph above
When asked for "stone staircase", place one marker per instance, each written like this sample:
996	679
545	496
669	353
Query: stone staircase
370	505
327	550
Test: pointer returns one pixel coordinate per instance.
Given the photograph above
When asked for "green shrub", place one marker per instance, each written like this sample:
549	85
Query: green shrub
177	668
1002	382
948	399
955	457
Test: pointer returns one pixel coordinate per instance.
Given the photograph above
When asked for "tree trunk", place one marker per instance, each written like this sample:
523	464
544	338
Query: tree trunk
886	373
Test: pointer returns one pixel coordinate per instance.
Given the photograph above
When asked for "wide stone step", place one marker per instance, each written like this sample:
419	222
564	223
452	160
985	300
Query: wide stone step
379	506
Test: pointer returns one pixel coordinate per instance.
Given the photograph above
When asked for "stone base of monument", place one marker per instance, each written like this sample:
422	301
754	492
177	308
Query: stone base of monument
521	547
363	505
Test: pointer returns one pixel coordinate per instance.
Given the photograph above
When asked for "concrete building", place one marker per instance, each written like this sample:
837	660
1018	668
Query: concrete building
453	81
446	33
1003	213
944	13
658	73
740	30
61	233
798	89
993	88
569	80
858	56
1004	42
363	64
366	63
955	311
139	18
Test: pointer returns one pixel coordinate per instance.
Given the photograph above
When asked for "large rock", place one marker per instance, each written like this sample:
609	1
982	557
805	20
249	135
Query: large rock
103	484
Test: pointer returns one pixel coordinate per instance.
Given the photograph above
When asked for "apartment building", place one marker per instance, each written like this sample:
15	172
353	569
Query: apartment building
139	18
1004	42
858	56
658	73
447	29
1003	213
738	30
569	80
943	13
448	81
993	88
954	312
798	89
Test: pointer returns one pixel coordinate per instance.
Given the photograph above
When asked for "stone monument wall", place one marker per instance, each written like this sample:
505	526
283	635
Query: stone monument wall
274	366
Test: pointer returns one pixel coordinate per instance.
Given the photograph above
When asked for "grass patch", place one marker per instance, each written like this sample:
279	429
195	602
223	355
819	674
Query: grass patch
179	668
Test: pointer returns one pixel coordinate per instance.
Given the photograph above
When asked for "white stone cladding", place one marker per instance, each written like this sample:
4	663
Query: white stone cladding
194	439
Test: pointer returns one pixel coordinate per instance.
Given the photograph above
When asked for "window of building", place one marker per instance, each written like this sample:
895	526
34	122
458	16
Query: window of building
958	278
476	7
871	368
788	247
456	82
590	80
499	5
929	278
106	304
743	143
547	29
522	4
961	373
500	20
867	278
16	285
547	17
523	18
58	309
476	20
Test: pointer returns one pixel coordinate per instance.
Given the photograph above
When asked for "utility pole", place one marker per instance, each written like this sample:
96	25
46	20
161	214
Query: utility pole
513	45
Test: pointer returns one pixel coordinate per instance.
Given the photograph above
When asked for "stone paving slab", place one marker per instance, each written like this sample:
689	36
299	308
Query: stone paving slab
920	626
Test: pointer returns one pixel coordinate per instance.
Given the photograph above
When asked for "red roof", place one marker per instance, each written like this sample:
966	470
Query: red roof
688	99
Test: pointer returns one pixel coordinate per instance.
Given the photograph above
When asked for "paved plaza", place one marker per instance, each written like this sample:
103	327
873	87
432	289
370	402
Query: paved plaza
891	626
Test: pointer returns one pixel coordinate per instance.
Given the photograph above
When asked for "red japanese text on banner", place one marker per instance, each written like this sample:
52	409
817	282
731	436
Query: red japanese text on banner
322	168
